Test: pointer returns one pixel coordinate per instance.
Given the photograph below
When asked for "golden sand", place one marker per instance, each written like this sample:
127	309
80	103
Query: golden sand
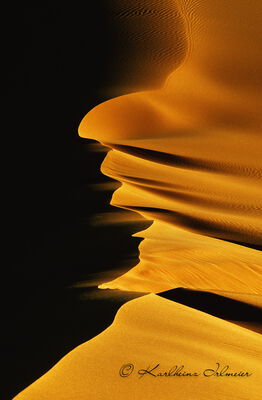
188	156
149	331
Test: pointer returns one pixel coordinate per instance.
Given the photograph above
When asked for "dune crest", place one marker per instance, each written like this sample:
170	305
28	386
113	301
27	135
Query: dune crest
188	157
149	331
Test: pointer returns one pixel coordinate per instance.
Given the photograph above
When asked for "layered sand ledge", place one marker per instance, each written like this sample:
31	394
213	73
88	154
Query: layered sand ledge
189	158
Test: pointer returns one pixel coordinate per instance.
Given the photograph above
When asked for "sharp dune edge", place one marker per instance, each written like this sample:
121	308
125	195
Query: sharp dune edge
152	330
188	156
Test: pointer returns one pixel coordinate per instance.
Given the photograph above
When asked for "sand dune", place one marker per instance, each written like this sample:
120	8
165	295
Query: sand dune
188	157
203	191
149	331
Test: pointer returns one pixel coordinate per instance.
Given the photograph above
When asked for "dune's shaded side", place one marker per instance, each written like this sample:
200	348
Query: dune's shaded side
200	210
188	156
246	311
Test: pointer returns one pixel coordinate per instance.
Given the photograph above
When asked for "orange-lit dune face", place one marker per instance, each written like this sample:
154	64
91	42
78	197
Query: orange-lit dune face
150	43
149	331
189	155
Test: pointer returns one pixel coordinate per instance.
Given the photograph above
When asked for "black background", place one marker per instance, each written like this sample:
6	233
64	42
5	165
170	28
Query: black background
63	60
60	61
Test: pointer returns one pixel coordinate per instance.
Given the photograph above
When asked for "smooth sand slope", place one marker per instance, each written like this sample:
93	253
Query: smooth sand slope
188	156
149	331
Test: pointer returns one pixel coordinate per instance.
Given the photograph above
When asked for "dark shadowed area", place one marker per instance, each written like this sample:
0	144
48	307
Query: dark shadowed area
59	66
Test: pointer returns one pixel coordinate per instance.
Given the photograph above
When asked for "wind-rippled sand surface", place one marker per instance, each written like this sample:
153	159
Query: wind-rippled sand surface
188	156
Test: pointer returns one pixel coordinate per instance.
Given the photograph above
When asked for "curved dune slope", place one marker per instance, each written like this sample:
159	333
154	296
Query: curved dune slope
188	156
149	331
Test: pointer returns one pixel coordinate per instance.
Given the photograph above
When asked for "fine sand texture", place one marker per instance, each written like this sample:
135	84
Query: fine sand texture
152	330
188	157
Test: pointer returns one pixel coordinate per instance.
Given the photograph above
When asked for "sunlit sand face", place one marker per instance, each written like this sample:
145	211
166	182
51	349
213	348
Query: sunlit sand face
188	156
187	152
223	40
